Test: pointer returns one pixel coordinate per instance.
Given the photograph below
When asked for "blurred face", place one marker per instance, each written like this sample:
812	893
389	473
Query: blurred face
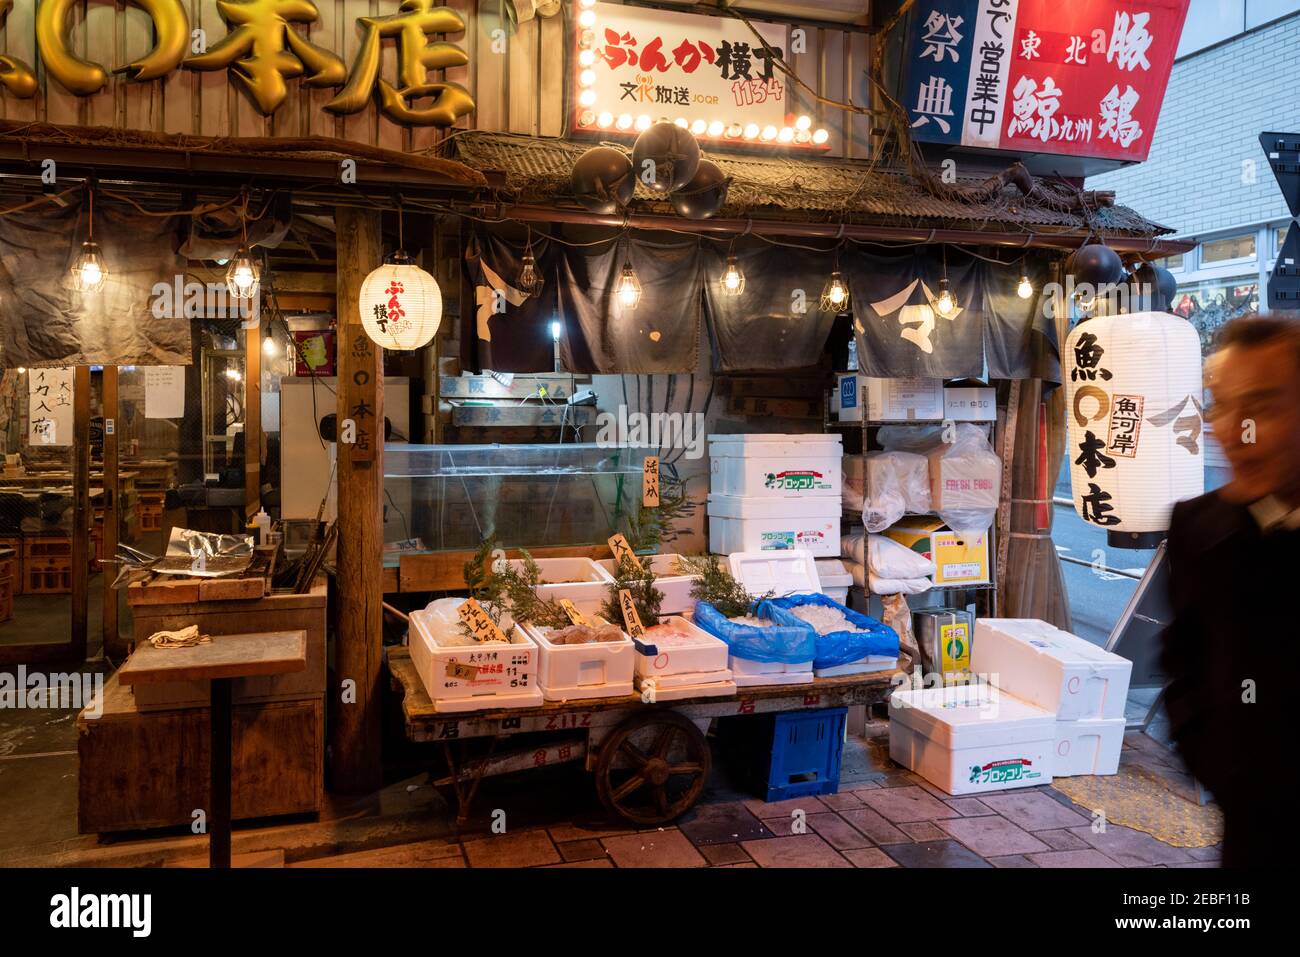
1256	418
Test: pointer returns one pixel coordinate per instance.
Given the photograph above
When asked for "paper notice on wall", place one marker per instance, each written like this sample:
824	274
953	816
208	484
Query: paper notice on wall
164	392
49	406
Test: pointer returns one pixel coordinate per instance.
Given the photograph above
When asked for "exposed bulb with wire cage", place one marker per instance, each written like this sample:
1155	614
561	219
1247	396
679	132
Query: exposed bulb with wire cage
243	275
89	272
733	278
529	280
628	289
835	297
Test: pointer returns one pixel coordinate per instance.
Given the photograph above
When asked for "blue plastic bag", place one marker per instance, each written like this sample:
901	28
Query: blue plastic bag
779	643
837	647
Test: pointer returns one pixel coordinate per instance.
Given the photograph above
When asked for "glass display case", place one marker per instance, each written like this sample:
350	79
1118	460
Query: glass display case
451	497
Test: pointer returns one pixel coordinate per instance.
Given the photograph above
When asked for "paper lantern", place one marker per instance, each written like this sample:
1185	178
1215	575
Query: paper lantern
401	305
1133	407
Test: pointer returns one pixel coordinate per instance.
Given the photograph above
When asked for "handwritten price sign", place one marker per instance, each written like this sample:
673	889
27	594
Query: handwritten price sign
650	482
571	610
631	620
618	544
481	626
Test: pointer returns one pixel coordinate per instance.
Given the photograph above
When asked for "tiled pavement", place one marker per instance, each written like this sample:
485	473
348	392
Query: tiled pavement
884	816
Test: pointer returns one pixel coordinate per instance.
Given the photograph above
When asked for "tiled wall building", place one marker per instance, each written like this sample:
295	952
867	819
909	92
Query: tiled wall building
1206	175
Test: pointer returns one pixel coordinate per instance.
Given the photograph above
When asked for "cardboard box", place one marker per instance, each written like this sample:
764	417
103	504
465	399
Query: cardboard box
1051	668
889	400
958	560
970	403
971	739
963	481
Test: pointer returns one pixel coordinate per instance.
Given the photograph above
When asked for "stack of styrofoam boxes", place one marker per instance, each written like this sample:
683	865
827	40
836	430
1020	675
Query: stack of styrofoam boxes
774	493
1047	704
685	663
1084	686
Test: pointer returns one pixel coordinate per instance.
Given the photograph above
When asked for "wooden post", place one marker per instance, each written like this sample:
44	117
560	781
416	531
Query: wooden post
81	515
252	419
112	512
355	735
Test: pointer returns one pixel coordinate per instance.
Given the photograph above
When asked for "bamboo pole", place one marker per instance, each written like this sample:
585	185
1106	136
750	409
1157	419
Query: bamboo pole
112	512
252	420
359	648
81	516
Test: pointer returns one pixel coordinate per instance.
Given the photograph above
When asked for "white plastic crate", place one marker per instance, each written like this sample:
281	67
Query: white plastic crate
601	669
580	580
505	675
776	466
1090	746
764	525
697	652
1051	668
834	579
971	739
676	588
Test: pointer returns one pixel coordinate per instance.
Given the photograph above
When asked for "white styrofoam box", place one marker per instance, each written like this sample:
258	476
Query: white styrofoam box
862	666
776	670
601	669
1089	746
691	678
712	689
792	572
506	678
776	466
742	524
1051	668
971	739
970	403
693	653
889	400
580	580
676	588
834	578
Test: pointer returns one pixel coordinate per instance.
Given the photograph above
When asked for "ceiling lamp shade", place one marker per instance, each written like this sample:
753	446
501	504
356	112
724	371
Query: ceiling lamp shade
1133	405
401	305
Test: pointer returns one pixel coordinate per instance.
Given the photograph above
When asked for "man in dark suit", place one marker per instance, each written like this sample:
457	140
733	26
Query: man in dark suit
1230	650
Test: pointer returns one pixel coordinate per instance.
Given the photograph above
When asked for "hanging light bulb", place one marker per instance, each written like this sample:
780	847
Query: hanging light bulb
628	289
530	280
835	297
1025	289
89	271
243	275
944	303
269	348
733	279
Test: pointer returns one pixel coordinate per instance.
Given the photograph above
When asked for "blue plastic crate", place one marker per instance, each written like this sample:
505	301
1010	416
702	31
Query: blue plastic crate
806	750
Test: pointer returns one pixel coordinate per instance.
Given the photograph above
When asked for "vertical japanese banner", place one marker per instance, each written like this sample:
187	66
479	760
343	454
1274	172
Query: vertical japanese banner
360	384
939	55
990	65
49	406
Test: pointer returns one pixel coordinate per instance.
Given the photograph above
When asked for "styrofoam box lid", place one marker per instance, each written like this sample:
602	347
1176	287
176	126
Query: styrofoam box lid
742	438
1044	639
747	506
832	573
971	716
790	572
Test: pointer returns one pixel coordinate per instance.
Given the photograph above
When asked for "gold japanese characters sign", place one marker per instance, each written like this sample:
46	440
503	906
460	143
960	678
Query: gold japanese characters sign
263	49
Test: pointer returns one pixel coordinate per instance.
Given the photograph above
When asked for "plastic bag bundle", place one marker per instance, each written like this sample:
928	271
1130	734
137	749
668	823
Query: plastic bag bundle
837	647
779	643
895	483
965	481
445	624
890	559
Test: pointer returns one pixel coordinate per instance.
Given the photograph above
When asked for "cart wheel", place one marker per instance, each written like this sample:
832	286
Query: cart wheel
652	767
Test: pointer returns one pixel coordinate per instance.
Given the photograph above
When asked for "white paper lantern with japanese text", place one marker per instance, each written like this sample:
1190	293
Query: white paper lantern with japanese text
1135	424
401	305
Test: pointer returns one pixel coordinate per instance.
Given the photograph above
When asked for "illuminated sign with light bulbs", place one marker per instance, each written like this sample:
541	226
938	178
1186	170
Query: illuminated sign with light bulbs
634	66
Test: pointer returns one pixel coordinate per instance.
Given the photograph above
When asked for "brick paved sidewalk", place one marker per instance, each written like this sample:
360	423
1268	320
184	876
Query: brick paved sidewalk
884	816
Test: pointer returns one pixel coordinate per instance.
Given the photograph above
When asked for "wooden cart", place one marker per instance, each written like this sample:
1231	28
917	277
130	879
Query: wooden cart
651	761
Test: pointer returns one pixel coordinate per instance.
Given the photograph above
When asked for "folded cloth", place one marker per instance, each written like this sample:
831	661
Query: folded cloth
890	559
181	638
898	586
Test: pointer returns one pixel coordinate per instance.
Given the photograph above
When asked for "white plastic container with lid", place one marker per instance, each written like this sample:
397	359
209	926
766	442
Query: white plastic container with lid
1089	746
461	674
1051	668
675	587
835	579
745	524
779	573
776	466
580	580
600	669
971	739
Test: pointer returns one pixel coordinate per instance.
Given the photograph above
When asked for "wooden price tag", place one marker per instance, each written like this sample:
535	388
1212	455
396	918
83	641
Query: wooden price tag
481	626
571	610
650	482
631	620
464	672
618	544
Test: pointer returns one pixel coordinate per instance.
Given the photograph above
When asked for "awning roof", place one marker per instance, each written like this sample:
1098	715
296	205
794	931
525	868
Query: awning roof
532	170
